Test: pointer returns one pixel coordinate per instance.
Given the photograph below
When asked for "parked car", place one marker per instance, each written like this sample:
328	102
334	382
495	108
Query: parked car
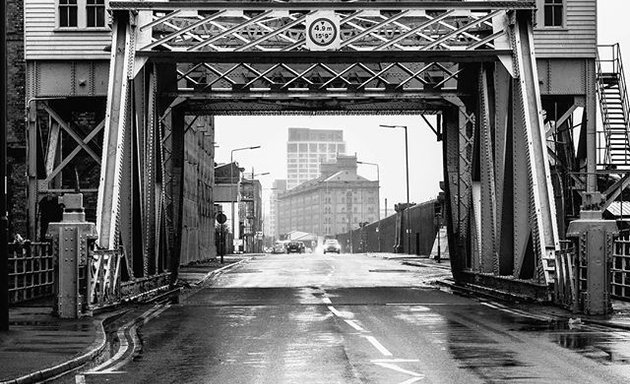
295	247
278	248
332	245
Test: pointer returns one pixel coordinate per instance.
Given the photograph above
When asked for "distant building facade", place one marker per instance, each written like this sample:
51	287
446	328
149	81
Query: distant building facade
307	148
271	227
336	202
250	215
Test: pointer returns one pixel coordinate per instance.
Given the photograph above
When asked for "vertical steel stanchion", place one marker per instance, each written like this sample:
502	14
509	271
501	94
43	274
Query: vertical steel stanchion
4	220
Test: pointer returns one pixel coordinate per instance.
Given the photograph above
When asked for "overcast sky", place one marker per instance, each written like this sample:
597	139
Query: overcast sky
371	143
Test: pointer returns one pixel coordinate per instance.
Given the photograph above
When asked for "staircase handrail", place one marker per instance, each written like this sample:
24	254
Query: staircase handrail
617	69
603	107
623	90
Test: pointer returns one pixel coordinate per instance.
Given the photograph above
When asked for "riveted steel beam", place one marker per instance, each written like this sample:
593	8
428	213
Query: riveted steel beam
307	5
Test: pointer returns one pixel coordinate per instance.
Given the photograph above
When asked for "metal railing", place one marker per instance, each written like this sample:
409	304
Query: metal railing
106	285
620	279
610	67
565	289
31	271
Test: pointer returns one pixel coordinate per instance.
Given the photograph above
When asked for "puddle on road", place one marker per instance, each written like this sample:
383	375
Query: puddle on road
602	344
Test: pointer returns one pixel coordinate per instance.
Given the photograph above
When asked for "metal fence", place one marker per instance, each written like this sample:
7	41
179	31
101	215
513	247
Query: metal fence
31	271
620	279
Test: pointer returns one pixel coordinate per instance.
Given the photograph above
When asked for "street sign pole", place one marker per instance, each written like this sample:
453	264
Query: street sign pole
4	220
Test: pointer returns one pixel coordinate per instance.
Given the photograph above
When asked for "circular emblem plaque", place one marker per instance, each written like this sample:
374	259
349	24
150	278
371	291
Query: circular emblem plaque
322	32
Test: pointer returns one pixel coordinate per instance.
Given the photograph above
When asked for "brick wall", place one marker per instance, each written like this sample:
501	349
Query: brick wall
16	136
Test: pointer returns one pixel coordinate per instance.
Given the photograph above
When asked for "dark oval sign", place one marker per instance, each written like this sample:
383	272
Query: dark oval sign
221	218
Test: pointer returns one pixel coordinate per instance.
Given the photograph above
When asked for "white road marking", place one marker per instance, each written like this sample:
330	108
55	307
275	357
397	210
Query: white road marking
334	311
517	312
326	300
395	361
114	368
124	344
354	325
401	370
378	346
412	380
79	379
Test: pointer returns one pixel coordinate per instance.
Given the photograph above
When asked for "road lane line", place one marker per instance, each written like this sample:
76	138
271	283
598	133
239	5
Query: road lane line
354	325
516	312
395	361
124	343
401	370
334	311
378	346
412	380
326	300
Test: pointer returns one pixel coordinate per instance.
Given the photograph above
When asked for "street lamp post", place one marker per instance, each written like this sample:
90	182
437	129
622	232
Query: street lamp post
378	181
407	178
231	182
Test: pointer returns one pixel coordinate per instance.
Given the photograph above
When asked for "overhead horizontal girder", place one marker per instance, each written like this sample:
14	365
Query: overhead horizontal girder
187	29
310	106
307	5
317	77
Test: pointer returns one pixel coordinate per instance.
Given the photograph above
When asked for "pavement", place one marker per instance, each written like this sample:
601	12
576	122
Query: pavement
40	346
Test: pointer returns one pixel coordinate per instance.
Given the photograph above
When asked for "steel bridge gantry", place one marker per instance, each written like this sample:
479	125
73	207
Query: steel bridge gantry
472	62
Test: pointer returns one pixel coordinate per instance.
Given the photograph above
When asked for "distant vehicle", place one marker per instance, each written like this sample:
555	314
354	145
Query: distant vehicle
278	248
332	245
295	247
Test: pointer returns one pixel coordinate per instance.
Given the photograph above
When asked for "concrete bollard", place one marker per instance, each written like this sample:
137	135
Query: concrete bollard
71	241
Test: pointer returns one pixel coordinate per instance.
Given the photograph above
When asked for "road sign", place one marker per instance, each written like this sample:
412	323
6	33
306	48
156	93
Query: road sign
221	218
322	31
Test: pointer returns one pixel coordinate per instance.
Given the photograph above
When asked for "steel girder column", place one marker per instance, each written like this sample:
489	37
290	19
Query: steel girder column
487	228
113	141
504	169
173	135
534	205
458	147
149	170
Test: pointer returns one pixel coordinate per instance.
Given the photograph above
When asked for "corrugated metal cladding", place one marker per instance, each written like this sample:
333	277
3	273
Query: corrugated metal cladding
576	38
43	40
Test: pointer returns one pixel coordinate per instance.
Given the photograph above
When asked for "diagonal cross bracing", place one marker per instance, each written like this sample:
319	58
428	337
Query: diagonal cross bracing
193	27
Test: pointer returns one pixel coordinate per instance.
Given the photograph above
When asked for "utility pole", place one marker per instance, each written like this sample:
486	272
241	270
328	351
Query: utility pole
4	219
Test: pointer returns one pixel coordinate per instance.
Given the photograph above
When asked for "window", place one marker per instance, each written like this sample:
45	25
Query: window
81	14
553	13
68	13
95	13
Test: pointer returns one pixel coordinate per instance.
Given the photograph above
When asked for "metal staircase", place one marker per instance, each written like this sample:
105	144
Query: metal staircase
614	140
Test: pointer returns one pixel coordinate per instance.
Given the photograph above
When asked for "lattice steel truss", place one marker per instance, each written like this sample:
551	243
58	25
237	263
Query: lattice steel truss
281	26
318	77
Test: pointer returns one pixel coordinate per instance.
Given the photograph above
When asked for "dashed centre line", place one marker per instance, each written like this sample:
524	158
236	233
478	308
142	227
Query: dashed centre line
354	325
385	363
378	346
335	312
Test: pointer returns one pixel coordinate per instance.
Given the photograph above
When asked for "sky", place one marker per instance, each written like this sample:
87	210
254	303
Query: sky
371	143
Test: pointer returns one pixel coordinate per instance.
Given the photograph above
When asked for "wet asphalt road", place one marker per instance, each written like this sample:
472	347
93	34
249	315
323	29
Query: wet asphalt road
358	319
